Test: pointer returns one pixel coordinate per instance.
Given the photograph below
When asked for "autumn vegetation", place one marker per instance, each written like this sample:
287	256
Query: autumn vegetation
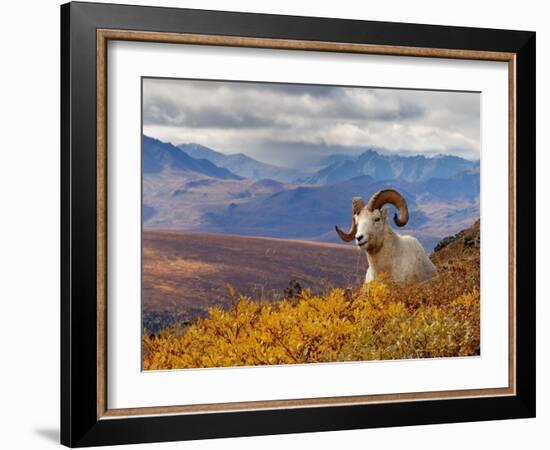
377	321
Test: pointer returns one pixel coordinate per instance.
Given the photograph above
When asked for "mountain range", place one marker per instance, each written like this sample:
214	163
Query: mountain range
339	167
187	188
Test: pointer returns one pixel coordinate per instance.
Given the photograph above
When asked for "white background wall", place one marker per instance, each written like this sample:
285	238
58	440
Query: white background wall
29	224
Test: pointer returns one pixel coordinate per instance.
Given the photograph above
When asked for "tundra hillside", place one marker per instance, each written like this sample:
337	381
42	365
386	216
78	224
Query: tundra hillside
378	321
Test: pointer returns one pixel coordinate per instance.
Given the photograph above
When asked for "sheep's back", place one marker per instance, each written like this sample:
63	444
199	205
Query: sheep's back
412	261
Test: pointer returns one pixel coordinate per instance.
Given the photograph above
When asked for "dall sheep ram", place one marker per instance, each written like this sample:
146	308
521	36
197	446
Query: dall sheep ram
401	258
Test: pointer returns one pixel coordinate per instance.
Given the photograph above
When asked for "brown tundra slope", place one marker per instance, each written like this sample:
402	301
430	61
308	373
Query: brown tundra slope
463	245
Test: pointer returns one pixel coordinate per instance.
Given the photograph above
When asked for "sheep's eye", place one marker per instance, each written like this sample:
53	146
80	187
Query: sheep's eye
377	219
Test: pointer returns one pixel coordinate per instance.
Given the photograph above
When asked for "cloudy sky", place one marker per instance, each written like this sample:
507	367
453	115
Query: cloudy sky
293	125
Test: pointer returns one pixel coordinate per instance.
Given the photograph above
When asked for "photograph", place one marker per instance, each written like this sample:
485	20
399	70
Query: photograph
299	223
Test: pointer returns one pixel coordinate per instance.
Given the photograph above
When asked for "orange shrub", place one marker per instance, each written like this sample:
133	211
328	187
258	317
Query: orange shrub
379	321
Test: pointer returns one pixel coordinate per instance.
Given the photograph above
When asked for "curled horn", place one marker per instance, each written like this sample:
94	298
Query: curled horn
357	204
395	198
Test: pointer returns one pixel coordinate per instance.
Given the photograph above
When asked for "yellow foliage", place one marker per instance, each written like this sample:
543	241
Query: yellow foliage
379	321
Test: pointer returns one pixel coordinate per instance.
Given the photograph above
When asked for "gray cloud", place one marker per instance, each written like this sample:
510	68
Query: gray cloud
284	123
169	113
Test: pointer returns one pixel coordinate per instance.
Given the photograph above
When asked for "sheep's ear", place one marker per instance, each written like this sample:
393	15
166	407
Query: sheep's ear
385	212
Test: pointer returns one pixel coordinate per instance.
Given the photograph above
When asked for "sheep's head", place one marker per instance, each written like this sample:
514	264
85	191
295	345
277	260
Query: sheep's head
369	220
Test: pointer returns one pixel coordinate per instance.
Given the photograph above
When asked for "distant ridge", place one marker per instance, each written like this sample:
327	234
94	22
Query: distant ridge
390	167
310	212
241	164
158	155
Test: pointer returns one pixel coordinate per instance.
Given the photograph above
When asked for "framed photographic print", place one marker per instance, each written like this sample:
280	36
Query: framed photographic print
276	224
